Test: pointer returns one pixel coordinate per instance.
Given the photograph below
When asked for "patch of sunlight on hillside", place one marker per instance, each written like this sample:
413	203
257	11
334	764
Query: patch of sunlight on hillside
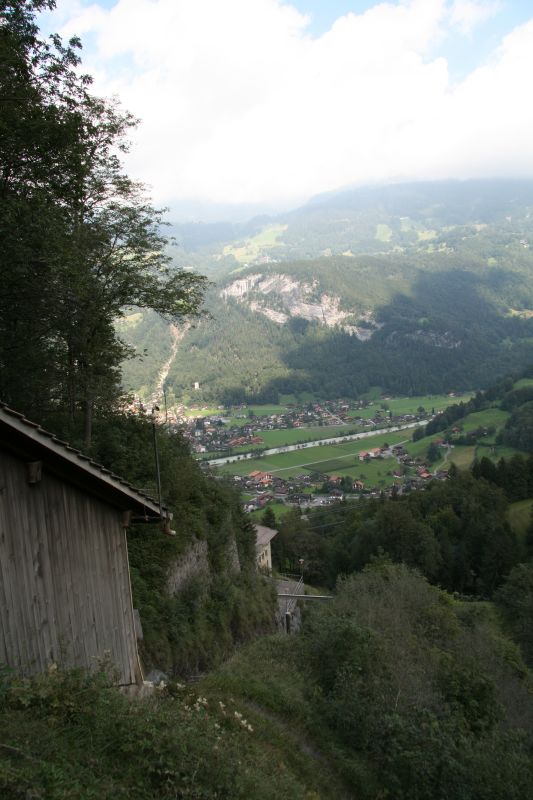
426	235
383	233
252	249
524	313
129	321
523	383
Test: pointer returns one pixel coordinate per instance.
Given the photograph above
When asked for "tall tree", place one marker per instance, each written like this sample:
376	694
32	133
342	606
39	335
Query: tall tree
81	240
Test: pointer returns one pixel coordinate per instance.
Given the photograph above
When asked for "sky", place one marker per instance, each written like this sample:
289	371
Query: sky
266	103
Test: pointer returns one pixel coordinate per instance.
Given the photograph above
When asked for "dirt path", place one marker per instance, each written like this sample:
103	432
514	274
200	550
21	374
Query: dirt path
177	335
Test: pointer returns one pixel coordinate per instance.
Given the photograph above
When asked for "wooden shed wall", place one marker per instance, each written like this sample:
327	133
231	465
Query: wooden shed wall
65	592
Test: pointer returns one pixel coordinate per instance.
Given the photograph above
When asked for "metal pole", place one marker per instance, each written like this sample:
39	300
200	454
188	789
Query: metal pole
287	622
166	410
156	453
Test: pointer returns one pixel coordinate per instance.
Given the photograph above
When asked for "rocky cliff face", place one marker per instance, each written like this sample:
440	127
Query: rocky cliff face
194	563
280	297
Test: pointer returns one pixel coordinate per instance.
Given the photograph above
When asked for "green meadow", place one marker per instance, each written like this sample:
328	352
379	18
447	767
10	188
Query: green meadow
463	456
322	458
279	509
194	413
523	383
377	472
295	435
279	438
240	416
251	249
408	405
490	417
496	452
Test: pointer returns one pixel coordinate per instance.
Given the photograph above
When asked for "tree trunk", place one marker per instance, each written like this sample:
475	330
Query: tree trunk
88	420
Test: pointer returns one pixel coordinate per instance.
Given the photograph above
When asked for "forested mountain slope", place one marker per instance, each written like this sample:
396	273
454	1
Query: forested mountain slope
369	219
416	288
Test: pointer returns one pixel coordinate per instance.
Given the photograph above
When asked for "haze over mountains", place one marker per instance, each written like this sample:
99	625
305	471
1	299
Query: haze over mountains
413	287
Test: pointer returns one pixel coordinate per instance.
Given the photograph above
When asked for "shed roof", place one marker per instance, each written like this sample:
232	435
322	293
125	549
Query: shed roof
29	441
263	535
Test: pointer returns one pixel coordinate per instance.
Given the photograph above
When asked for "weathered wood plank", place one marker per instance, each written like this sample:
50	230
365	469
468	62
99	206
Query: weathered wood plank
65	592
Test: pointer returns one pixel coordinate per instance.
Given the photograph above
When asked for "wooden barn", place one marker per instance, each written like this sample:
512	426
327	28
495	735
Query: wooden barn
65	592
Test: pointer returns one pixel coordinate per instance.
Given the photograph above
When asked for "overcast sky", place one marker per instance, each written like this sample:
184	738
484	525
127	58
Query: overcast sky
271	101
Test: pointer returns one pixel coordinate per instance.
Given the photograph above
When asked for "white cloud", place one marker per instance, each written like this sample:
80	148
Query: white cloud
240	104
467	14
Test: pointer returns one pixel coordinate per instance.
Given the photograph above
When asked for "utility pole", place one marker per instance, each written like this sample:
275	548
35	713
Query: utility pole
156	454
166	409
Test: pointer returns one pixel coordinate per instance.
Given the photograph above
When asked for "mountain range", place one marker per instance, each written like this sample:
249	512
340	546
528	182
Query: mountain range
412	287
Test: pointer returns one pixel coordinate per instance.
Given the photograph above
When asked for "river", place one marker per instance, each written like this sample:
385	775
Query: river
288	448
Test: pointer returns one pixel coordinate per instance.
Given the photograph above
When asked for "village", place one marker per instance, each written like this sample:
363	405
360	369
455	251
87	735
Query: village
244	432
217	434
308	490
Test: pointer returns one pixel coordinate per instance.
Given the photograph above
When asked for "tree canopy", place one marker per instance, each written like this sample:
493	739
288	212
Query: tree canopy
80	239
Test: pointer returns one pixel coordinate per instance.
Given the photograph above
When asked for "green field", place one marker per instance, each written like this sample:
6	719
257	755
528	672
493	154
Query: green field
342	459
490	417
419	449
463	456
523	383
279	509
279	438
496	452
251	248
194	413
372	473
294	435
317	459
383	233
408	405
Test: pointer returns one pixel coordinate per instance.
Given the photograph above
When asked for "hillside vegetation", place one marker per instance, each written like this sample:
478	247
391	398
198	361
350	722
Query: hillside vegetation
393	690
457	532
443	302
413	681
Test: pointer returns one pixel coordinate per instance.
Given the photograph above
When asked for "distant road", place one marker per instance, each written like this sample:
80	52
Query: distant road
289	448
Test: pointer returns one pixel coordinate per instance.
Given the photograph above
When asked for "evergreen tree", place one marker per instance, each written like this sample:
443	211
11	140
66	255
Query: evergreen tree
268	518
